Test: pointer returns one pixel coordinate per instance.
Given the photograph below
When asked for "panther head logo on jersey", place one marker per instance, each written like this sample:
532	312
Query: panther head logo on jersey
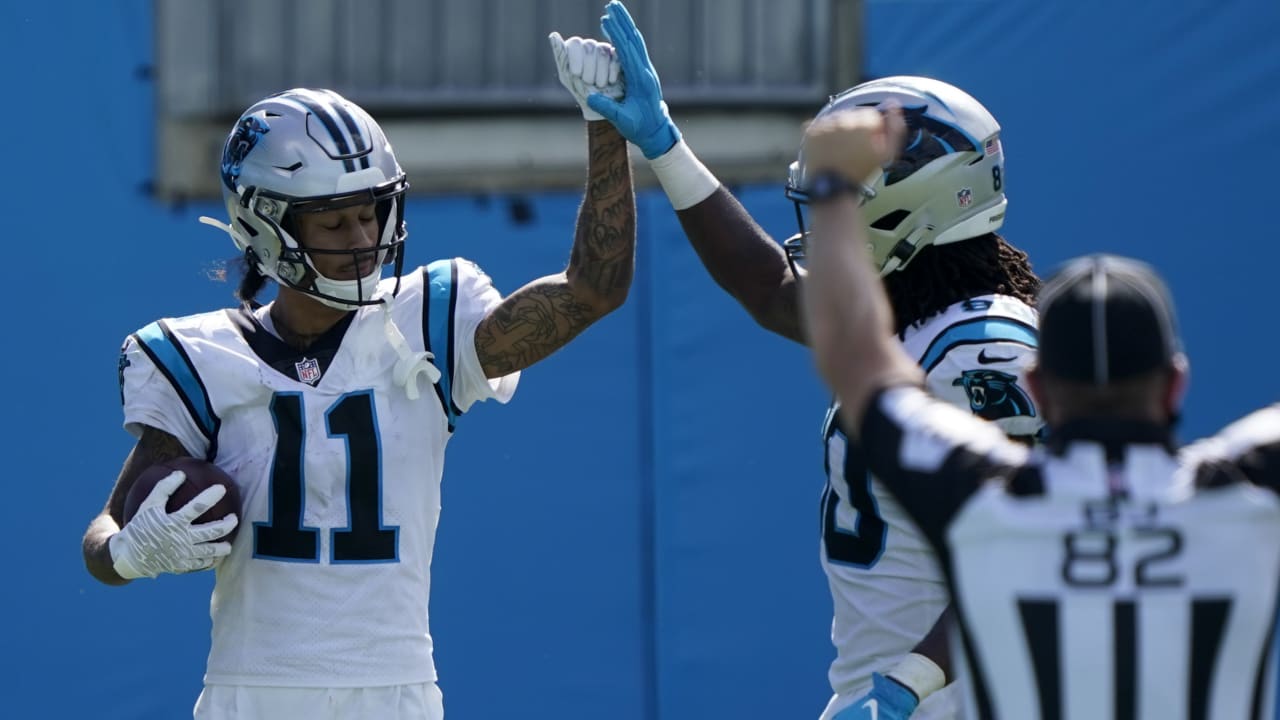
242	140
994	394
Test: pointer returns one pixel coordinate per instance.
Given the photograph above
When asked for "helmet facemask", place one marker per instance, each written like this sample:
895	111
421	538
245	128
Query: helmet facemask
294	267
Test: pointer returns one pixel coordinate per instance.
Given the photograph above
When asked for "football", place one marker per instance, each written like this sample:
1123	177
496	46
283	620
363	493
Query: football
200	475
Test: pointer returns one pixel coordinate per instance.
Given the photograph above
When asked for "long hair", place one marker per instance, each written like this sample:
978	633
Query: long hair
943	275
251	282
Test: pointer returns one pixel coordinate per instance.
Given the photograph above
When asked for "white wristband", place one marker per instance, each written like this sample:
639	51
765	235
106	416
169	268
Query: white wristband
685	179
919	674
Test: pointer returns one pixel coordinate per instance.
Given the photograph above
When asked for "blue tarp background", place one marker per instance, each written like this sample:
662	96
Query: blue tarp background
636	534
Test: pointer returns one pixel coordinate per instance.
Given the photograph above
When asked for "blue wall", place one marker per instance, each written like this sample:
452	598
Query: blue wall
636	533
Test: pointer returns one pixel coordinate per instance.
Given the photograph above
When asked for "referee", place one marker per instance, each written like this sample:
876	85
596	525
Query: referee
1101	575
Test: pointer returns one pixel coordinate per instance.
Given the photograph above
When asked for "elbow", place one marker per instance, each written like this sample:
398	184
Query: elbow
604	303
616	296
777	318
599	295
765	317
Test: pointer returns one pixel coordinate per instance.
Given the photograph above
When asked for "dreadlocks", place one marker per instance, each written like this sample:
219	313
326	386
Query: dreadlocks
942	275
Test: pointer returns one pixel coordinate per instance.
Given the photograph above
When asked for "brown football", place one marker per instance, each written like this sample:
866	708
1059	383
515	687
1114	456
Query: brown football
200	475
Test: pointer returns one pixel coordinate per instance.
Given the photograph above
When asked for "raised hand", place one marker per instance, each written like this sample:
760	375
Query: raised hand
641	116
586	66
853	143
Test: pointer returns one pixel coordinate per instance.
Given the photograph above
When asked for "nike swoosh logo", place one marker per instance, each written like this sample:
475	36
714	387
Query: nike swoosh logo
986	359
874	707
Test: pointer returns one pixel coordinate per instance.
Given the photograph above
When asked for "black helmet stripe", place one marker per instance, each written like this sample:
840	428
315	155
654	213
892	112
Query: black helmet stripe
357	138
335	133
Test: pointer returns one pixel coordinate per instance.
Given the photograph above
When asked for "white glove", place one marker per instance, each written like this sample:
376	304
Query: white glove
156	541
587	66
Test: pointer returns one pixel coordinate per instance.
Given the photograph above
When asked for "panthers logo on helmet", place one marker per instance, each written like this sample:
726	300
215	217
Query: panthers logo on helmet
248	131
994	394
928	139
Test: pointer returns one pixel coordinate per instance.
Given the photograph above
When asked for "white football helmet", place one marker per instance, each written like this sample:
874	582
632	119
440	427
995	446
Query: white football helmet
946	185
309	151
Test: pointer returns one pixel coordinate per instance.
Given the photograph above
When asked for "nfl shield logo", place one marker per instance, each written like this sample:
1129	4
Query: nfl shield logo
964	197
308	370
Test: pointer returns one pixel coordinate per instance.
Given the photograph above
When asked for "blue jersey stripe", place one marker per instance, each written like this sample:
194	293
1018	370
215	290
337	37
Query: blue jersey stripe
172	360
987	329
441	301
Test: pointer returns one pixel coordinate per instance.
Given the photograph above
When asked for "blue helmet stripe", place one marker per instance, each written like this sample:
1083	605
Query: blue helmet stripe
330	124
353	128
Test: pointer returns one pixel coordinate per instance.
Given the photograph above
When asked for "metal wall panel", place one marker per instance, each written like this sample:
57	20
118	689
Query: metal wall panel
215	57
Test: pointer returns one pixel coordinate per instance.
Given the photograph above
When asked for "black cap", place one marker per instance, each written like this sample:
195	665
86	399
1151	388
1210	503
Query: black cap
1104	319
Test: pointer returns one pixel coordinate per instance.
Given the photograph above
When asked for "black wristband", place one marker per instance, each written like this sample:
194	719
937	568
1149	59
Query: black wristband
828	185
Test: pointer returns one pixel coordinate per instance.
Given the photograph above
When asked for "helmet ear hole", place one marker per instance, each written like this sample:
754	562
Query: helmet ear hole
890	221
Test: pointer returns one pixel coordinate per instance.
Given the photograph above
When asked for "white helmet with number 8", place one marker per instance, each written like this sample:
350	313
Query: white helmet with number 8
946	185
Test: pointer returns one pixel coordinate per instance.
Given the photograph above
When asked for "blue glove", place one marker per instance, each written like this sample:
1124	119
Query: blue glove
641	116
888	700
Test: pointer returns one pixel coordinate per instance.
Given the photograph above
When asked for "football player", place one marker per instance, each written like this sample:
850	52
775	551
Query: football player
1101	575
331	407
962	299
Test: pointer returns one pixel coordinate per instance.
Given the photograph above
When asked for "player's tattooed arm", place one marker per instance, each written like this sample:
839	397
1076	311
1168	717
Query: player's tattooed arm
154	446
745	261
544	315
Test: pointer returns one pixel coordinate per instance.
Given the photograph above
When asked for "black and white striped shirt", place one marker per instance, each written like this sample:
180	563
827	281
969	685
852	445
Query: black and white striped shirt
1102	575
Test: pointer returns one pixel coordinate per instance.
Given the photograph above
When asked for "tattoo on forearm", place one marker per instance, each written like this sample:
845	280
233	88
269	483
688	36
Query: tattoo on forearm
604	241
544	315
528	327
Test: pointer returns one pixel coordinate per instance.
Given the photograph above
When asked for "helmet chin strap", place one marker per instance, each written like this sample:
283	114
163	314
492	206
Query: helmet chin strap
904	250
411	364
240	240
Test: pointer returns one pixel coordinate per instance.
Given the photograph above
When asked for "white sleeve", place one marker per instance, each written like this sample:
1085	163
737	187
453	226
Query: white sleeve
475	297
989	379
150	399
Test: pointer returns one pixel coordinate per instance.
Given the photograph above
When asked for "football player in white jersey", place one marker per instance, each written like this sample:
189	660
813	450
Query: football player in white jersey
961	297
1100	575
331	407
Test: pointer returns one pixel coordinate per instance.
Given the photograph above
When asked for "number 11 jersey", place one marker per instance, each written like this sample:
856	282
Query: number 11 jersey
339	471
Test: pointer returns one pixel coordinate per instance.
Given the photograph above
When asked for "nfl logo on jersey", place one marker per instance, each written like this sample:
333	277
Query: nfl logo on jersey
308	370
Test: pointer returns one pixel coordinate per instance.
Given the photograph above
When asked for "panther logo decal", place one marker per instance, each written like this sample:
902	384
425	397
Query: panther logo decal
247	134
994	394
927	139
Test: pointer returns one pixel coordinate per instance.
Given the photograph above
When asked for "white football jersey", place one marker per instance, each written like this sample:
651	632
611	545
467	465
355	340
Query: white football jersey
339	471
886	587
1097	576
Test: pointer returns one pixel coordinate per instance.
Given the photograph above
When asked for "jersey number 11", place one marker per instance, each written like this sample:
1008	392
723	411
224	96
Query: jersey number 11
365	539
